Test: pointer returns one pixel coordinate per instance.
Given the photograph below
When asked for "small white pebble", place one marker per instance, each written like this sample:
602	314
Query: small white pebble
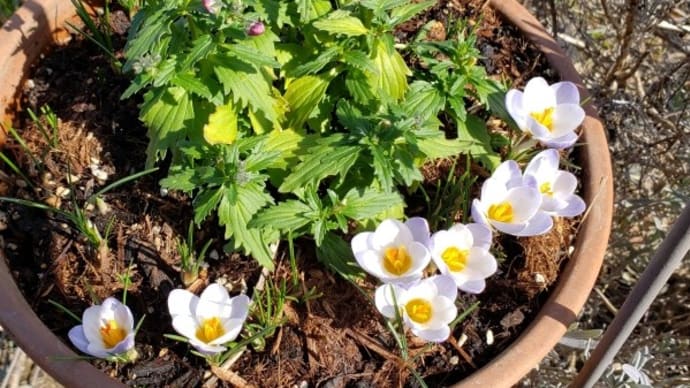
539	278
89	207
489	337
12	246
101	175
164	192
62	192
30	84
103	207
454	360
462	340
213	255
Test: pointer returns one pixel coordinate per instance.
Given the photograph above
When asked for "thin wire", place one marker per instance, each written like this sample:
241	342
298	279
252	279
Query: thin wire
666	259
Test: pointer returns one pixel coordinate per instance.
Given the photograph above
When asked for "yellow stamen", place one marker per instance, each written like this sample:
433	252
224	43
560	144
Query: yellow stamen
546	189
544	118
396	260
455	259
502	212
210	329
419	310
112	334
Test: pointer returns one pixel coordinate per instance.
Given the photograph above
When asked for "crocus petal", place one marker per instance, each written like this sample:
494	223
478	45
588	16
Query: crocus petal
232	329
566	118
473	286
481	235
182	302
515	107
205	348
419	227
370	261
445	310
97	350
185	325
445	286
360	243
565	141
538	96
383	299
79	340
543	163
539	224
213	302
124	345
566	93
91	322
508	174
564	183
575	207
391	232
481	263
433	335
478	214
525	202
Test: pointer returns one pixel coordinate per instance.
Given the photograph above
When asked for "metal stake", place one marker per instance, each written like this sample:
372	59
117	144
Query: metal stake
666	259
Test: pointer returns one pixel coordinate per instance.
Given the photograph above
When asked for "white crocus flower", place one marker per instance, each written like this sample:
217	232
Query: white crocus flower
208	321
557	187
395	252
551	114
510	205
462	252
427	307
107	330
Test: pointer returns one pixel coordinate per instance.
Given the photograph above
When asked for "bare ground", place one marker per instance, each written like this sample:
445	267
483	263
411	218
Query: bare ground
635	58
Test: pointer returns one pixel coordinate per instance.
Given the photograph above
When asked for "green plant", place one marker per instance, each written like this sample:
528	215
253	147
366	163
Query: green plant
311	127
191	260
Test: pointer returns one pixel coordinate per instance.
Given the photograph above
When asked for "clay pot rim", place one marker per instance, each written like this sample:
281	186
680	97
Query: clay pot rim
30	30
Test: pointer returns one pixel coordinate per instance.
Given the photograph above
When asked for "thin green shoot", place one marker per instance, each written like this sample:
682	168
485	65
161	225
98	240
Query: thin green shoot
139	323
293	260
64	310
191	262
97	35
16	169
464	315
24	146
176	337
126	280
240	345
51	118
120	182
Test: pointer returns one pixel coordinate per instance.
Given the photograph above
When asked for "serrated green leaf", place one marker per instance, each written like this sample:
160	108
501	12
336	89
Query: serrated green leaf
473	131
392	72
316	165
408	11
235	216
192	84
303	95
247	85
222	125
440	147
359	60
341	22
315	65
201	46
358	85
312	9
180	180
251	55
205	202
369	204
423	100
164	72
288	215
148	27
165	112
382	168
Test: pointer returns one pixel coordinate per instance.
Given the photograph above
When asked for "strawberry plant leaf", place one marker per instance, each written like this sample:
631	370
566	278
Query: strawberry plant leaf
341	22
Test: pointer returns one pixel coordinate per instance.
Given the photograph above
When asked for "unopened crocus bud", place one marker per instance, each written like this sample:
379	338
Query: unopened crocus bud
211	6
256	28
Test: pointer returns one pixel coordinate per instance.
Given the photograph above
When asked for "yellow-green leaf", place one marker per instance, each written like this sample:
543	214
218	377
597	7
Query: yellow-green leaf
222	125
340	22
303	96
392	74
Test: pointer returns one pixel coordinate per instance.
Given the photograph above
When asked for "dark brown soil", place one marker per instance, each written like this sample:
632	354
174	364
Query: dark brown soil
334	340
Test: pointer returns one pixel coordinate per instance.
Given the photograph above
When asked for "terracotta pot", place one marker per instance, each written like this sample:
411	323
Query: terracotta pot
33	27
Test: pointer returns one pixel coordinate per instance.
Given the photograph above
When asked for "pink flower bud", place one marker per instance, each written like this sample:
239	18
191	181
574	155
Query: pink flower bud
256	28
211	6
